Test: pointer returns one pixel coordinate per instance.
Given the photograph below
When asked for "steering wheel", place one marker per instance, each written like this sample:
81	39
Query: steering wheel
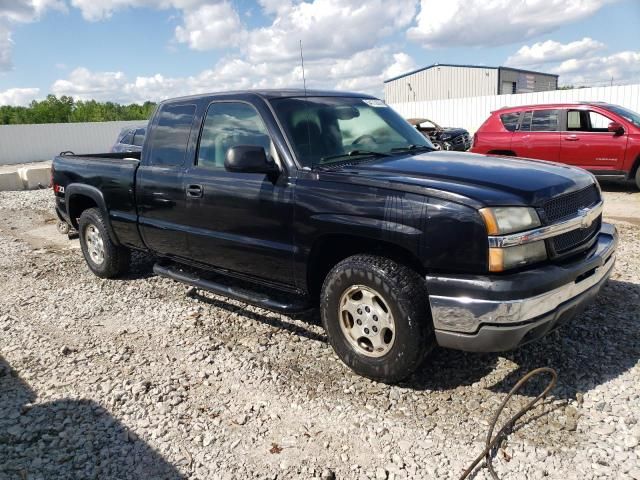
363	137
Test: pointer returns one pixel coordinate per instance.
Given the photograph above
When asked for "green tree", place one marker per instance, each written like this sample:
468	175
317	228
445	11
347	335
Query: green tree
65	110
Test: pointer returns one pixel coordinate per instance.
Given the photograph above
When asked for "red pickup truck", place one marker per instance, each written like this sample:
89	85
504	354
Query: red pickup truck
600	137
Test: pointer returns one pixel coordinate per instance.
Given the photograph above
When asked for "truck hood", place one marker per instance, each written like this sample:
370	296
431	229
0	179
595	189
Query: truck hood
484	179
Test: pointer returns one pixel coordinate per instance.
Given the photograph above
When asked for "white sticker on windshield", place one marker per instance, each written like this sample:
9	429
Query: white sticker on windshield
374	102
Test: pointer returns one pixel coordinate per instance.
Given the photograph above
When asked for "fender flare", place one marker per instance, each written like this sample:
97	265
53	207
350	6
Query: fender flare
74	190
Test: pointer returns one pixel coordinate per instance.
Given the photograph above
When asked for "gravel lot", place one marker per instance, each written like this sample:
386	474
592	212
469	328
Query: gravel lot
135	379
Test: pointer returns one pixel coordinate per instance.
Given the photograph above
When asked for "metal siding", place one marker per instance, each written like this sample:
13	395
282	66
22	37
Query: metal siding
471	112
32	143
442	82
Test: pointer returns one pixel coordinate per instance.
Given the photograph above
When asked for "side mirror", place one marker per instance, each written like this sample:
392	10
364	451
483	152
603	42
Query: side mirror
615	127
249	159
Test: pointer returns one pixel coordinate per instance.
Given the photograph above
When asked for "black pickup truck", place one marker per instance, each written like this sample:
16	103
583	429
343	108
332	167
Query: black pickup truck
291	200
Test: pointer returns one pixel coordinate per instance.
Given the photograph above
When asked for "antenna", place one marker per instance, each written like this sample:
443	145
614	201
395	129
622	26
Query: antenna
306	102
304	80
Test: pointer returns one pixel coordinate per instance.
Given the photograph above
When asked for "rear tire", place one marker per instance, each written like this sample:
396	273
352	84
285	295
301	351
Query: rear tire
377	317
104	258
638	177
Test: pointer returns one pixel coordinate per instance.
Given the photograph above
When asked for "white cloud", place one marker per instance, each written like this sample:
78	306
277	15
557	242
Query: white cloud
211	26
580	63
446	23
402	63
341	41
95	10
618	68
371	68
18	96
19	11
5	48
551	51
327	28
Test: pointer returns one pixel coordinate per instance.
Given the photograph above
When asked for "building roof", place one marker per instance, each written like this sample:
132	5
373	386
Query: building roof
466	66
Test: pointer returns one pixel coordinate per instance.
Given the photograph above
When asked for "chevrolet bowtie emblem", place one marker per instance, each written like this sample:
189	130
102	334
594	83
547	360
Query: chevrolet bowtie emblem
586	217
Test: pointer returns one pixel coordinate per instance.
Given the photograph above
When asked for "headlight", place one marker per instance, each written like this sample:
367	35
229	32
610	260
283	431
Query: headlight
504	220
501	259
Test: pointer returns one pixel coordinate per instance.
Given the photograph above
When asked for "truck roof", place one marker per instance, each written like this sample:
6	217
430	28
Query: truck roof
275	93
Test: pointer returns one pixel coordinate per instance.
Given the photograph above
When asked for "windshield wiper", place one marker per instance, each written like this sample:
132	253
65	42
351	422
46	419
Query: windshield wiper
413	148
356	153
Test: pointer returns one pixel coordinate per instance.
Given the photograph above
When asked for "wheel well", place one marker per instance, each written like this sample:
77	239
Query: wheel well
508	153
77	205
331	249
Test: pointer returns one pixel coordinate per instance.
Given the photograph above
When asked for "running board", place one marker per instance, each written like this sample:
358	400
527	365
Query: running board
259	299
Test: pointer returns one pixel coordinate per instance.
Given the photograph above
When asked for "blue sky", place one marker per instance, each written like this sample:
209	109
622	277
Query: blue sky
136	50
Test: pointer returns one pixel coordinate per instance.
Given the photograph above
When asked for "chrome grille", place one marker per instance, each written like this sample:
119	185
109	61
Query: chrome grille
570	240
569	204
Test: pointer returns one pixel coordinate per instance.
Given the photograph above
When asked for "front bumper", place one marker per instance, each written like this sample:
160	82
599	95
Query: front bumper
497	313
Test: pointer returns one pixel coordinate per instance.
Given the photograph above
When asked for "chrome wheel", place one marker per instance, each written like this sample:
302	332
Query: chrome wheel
366	321
95	244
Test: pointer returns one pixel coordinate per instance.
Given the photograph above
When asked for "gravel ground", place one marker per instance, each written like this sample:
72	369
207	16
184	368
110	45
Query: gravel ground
135	379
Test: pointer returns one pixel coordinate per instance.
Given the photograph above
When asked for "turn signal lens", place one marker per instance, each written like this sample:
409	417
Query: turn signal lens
501	259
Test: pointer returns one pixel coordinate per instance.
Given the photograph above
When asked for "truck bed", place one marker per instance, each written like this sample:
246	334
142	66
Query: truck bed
110	177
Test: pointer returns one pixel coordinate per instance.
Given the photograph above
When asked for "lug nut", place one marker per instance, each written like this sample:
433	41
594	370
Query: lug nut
366	330
359	322
375	318
367	309
375	329
359	311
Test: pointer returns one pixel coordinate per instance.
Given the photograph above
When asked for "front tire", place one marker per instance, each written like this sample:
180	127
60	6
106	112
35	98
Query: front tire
638	178
376	315
104	258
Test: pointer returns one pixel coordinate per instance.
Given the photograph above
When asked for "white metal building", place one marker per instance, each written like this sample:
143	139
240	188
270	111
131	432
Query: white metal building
444	81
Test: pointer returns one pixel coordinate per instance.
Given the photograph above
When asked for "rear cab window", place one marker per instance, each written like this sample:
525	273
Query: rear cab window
170	136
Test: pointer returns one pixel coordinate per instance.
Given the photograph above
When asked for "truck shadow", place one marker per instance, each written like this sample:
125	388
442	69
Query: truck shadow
597	346
312	317
68	439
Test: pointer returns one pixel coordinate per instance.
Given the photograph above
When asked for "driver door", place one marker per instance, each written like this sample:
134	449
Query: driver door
238	221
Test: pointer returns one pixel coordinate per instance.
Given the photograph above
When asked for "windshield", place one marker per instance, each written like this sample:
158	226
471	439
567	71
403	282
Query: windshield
627	114
325	130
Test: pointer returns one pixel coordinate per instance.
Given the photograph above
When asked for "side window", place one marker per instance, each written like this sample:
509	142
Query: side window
598	122
138	138
171	134
229	124
587	121
510	120
575	120
545	121
525	126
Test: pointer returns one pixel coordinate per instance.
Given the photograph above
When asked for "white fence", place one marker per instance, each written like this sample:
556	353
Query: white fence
33	143
470	113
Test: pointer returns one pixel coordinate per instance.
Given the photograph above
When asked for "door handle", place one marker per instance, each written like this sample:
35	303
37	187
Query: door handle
572	138
194	191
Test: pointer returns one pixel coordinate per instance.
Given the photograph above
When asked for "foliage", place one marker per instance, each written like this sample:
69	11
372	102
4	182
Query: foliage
67	110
